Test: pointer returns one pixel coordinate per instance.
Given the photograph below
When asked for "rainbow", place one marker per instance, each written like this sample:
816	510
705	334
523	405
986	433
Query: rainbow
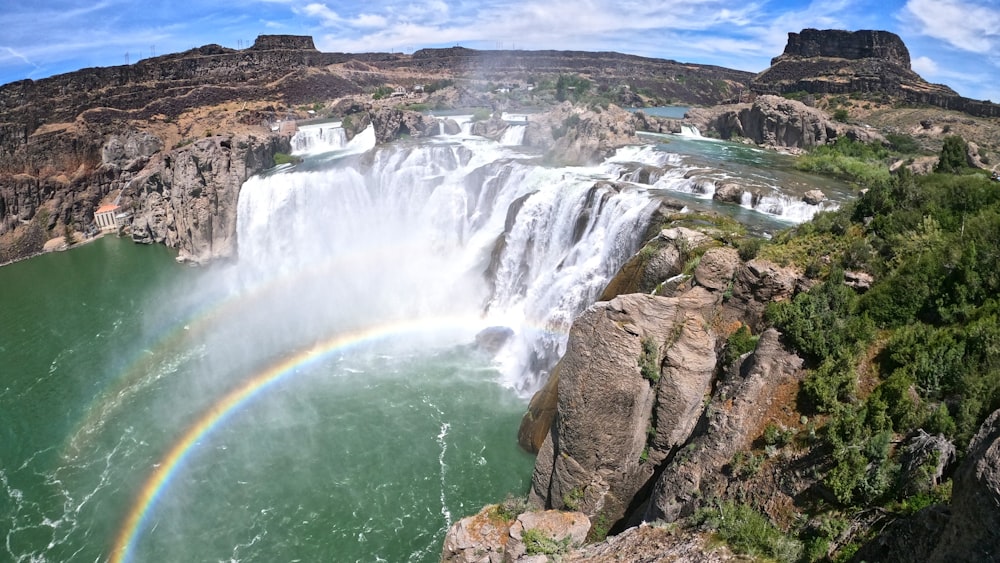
159	481
189	327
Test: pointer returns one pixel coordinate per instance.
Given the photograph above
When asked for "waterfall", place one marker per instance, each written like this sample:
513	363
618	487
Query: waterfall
325	137
690	131
442	227
513	136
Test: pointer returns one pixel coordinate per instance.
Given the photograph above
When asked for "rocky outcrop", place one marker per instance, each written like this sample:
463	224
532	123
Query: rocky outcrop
572	135
186	199
776	122
968	528
867	62
836	43
973	531
734	417
654	544
591	459
488	537
392	123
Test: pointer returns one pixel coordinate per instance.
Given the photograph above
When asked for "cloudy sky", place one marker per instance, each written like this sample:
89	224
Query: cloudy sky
955	42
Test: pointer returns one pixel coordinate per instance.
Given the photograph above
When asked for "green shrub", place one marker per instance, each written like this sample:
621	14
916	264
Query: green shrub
282	158
738	343
823	320
953	155
750	247
481	114
510	508
903	144
749	532
840	115
537	542
649	360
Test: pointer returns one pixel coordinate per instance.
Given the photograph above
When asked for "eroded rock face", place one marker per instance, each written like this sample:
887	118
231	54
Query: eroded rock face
571	135
187	198
777	122
846	45
973	531
603	444
733	419
393	123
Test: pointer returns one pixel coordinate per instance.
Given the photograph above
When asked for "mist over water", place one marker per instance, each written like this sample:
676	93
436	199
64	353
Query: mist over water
364	275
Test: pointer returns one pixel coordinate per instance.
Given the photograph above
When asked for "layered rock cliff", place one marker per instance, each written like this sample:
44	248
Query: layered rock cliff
867	62
54	132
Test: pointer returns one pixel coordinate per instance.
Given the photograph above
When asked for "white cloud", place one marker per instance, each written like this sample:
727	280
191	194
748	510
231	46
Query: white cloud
924	66
964	25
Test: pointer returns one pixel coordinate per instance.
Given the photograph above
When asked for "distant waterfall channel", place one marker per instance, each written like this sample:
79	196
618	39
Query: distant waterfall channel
443	226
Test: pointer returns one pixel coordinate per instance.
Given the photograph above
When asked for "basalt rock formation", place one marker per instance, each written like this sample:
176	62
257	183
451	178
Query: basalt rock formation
776	122
867	62
642	418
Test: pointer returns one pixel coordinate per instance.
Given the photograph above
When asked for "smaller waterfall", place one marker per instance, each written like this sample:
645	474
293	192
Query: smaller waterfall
690	131
320	138
513	136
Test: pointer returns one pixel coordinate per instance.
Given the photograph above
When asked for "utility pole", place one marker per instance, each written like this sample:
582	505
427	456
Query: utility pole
152	50
126	58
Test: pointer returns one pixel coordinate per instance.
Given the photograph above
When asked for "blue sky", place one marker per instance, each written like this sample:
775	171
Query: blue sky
954	42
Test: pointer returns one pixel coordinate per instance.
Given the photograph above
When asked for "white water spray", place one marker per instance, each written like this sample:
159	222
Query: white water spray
454	227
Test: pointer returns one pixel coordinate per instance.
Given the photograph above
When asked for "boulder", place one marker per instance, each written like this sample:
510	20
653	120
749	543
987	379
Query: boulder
814	197
492	339
451	127
392	123
717	267
729	192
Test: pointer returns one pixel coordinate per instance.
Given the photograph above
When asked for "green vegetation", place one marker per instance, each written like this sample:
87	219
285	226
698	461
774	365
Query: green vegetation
738	343
840	115
571	87
509	509
282	158
749	532
481	114
920	349
68	237
573	499
952	155
649	360
929	326
851	160
537	542
381	92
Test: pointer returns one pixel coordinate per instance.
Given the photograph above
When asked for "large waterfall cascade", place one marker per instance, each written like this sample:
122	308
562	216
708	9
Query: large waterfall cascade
456	226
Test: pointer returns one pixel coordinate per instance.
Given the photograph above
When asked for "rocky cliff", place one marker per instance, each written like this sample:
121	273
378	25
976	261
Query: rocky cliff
652	415
55	133
776	122
867	63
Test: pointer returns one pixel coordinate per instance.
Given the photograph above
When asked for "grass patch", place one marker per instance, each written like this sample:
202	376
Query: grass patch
749	532
537	542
